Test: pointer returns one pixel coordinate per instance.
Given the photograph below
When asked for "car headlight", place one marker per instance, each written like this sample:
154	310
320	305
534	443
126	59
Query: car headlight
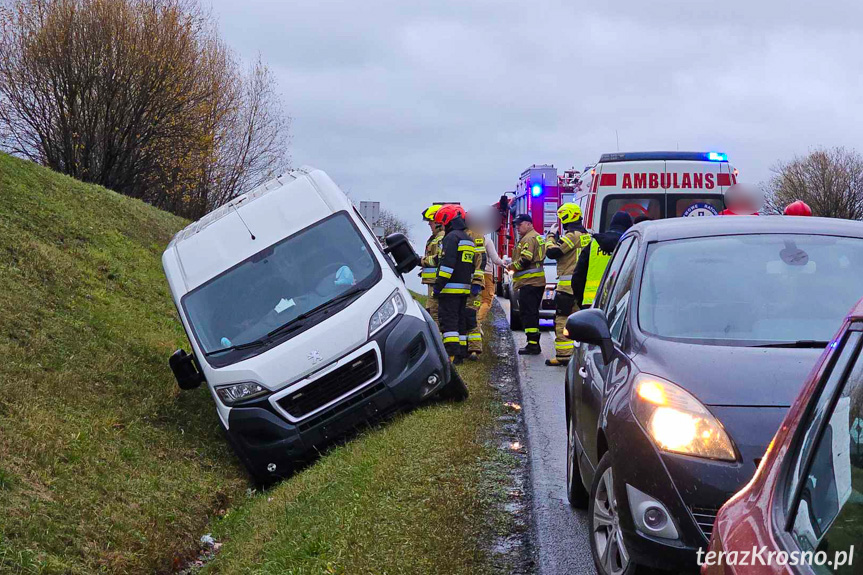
237	392
677	421
394	306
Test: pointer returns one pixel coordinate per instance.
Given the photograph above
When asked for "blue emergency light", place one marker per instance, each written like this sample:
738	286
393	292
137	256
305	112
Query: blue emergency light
717	157
536	190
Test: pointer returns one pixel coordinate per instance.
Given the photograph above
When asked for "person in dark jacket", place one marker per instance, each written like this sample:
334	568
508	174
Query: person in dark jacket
593	259
454	276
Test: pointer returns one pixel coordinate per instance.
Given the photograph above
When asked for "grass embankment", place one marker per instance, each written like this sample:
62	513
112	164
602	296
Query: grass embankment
104	466
413	496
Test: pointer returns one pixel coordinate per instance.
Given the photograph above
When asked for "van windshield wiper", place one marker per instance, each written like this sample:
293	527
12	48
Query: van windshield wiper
250	345
292	325
799	344
295	324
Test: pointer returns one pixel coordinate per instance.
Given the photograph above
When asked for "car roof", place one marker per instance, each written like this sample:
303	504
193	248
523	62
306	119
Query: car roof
680	228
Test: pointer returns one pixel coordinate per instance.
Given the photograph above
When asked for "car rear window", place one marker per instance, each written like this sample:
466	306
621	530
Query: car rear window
767	288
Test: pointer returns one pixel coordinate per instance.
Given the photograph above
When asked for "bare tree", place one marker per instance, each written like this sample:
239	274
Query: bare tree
392	223
829	180
140	96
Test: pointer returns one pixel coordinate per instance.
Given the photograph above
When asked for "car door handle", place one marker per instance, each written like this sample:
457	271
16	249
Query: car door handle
582	373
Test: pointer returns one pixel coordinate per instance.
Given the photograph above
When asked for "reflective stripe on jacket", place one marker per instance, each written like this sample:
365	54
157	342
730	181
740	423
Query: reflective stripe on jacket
528	259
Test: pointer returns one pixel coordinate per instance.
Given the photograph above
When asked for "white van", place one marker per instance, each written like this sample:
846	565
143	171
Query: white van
299	321
654	184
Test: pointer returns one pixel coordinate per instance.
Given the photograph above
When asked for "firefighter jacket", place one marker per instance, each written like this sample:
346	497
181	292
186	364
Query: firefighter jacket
565	249
479	259
431	258
528	259
456	267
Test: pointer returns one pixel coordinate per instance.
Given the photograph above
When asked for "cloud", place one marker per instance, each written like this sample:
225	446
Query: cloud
407	103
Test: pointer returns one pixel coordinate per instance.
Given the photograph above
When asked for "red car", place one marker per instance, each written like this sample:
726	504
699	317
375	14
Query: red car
803	510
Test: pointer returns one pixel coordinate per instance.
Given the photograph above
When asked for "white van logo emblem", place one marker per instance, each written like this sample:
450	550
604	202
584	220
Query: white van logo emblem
315	357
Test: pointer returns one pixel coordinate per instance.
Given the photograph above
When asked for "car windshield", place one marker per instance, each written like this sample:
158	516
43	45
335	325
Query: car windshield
750	289
271	289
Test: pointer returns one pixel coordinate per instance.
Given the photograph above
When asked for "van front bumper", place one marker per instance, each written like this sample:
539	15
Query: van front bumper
271	446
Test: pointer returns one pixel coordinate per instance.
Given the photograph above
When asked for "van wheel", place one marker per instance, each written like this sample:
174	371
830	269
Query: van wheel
498	289
606	537
575	491
455	390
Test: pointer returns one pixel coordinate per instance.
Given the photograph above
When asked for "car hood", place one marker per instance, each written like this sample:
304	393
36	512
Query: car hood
729	375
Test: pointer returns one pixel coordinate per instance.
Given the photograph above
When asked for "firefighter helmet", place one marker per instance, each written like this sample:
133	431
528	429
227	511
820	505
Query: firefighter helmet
429	212
448	213
569	213
798	208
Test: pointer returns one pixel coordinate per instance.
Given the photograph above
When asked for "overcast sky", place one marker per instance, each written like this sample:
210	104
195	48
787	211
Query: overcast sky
408	102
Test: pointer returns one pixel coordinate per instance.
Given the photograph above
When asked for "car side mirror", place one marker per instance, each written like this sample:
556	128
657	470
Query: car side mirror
185	370
402	253
591	326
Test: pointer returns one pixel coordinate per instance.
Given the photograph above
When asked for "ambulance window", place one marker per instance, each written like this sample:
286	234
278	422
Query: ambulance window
652	206
692	206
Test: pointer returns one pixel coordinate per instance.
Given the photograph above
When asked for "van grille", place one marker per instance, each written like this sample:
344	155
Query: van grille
331	386
705	517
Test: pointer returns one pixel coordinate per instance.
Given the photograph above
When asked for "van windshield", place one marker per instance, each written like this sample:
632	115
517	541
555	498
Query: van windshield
270	291
797	288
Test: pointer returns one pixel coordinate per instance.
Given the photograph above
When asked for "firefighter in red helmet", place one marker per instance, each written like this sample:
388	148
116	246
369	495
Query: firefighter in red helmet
798	208
454	276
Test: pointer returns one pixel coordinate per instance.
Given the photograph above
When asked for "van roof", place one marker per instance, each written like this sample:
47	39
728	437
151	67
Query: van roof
249	223
644	156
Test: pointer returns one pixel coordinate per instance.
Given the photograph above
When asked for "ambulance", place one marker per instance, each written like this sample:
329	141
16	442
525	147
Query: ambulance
654	184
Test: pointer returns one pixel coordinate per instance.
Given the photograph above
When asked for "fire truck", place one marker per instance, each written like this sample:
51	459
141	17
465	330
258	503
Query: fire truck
540	192
654	185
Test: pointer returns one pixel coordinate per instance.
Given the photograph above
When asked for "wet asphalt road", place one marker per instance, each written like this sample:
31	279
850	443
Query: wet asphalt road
560	532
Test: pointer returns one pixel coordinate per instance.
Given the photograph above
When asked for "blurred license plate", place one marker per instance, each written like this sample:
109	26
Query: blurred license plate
549	294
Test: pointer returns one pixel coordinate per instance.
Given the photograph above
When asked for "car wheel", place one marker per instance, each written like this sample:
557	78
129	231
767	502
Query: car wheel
606	537
575	491
506	291
498	289
455	390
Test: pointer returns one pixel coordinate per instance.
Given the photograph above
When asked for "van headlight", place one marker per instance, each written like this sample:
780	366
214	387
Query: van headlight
237	392
678	422
394	306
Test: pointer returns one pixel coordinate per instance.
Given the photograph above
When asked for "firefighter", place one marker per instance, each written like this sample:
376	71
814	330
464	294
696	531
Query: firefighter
593	259
529	280
565	249
430	260
454	276
474	330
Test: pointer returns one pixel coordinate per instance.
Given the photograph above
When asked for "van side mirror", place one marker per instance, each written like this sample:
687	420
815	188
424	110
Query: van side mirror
185	370
591	326
402	253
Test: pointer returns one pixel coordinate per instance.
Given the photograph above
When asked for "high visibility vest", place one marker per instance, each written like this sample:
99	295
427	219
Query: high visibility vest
595	268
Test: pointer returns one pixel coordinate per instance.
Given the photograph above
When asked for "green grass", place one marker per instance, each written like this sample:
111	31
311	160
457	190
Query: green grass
412	496
104	466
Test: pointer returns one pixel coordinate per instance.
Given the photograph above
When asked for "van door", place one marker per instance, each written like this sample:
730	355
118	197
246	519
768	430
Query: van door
633	187
696	188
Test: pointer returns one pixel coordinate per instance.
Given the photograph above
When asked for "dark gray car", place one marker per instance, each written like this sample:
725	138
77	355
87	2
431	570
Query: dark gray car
702	334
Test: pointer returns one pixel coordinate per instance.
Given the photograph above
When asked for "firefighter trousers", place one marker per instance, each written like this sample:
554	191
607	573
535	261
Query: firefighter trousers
453	323
564	304
474	330
529	300
432	305
487	297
